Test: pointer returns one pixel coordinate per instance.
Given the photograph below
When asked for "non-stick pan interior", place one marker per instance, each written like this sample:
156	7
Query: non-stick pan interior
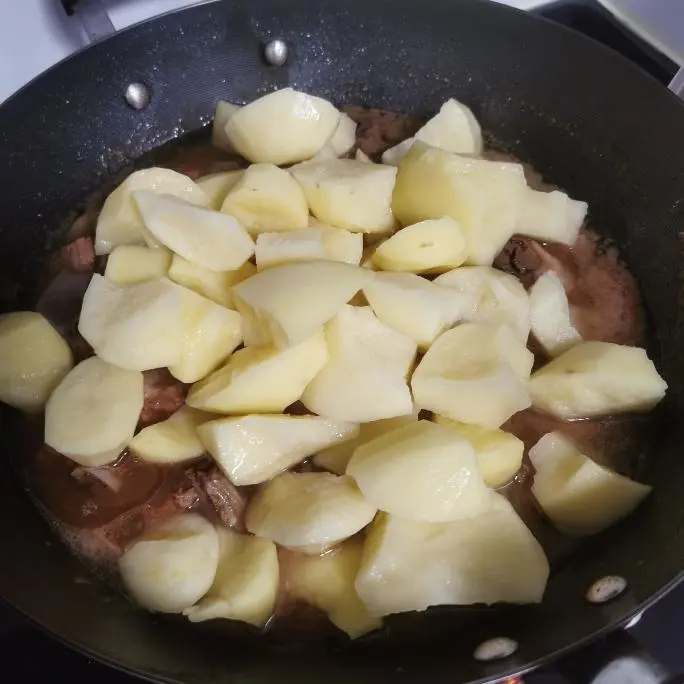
590	122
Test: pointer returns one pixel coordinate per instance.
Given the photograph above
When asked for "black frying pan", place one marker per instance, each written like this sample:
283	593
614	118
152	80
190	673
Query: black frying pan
590	122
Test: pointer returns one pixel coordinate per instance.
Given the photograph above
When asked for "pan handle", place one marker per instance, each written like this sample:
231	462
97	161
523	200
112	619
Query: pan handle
618	658
93	16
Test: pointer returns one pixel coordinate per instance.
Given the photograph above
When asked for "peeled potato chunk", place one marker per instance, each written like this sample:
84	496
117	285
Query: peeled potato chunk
595	379
34	358
252	449
453	128
474	373
206	238
214	285
132	264
349	194
171	567
500	297
361	156
261	379
246	584
327	582
579	496
210	334
224	111
417	307
92	414
431	246
310	512
138	327
550	315
283	127
422	471
174	440
120	222
483	196
336	457
499	454
550	216
343	139
409	565
266	198
365	377
217	185
342	245
290	302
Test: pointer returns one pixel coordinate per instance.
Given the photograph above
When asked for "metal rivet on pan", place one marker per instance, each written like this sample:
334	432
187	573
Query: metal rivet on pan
606	589
137	95
275	52
495	649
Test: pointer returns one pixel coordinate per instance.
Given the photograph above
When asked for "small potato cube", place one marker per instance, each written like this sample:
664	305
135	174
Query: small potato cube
550	216
131	264
432	246
246	584
34	358
217	185
345	193
224	110
267	199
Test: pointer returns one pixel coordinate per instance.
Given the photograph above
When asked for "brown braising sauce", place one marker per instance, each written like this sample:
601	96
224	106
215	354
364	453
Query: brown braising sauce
97	512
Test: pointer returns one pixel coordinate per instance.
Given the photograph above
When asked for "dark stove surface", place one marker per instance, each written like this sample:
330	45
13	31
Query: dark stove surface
35	657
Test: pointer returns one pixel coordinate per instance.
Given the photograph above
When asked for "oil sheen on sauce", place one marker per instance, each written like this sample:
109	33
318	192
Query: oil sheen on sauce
97	517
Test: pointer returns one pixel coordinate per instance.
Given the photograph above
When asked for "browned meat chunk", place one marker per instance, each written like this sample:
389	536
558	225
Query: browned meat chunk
229	501
79	255
164	395
379	129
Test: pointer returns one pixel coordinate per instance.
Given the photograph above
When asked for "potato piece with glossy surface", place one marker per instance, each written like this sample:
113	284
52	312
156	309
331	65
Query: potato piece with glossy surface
291	302
550	316
483	196
206	238
210	334
365	377
500	297
283	127
409	565
261	379
224	111
417	307
499	454
597	379
454	128
336	457
342	245
431	246
274	249
348	194
252	449
34	358
327	582
579	496
172	566
138	327
214	285
421	471
132	264
267	199
174	440
474	373
246	584
217	185
310	512
550	216
92	414
120	222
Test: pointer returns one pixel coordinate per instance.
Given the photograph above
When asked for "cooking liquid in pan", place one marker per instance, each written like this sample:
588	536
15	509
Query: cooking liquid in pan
98	514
